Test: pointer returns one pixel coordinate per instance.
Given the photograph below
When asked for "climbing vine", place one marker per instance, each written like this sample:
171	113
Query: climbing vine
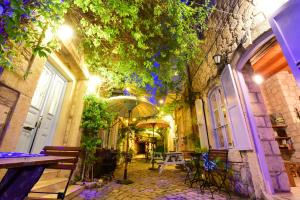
24	24
148	39
140	42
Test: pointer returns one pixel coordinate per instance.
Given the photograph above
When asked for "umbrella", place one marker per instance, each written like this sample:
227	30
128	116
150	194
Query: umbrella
147	133
131	107
152	123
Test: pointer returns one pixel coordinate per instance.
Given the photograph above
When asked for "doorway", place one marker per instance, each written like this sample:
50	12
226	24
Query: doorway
40	123
281	97
141	148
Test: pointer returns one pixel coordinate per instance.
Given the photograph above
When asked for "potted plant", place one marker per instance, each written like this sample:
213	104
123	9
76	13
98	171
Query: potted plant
94	118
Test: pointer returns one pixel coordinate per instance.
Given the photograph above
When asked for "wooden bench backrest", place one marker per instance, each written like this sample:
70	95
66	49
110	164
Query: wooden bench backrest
72	152
220	154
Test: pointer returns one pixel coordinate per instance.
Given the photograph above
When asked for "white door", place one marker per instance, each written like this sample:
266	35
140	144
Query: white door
40	123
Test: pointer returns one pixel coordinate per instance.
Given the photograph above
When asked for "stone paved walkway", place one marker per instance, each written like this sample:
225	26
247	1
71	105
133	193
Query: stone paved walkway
149	185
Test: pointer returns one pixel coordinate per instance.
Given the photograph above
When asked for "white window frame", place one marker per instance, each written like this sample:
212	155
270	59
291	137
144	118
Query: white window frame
224	124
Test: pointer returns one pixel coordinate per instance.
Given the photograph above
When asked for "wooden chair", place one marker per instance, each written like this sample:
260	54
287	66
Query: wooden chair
72	152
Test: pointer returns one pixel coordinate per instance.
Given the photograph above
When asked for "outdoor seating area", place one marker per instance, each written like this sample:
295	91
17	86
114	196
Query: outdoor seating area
25	170
207	170
149	99
172	158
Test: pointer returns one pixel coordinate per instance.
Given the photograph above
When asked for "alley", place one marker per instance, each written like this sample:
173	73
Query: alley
149	185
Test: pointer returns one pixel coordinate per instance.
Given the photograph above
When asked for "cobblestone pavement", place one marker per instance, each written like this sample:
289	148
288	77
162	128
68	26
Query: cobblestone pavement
149	184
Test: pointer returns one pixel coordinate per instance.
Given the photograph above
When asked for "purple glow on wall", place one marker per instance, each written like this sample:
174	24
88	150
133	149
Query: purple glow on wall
284	24
1	70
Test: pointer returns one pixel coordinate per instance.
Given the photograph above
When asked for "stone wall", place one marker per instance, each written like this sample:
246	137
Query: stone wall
266	135
281	95
235	25
70	65
8	101
184	128
241	175
26	90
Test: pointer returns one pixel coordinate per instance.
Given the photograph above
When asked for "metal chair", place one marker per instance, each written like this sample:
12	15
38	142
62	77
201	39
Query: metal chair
215	177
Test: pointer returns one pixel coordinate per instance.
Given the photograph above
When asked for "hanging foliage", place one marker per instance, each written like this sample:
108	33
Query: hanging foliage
140	37
140	42
24	24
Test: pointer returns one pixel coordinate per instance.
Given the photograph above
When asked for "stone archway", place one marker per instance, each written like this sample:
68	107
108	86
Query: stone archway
267	150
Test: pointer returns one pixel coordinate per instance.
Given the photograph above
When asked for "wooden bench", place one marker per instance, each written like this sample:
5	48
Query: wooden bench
174	158
70	165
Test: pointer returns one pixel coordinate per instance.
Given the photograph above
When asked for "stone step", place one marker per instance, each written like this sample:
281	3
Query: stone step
49	174
50	185
72	192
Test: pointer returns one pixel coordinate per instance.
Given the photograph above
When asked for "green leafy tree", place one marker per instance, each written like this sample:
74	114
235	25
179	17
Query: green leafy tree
95	117
121	38
24	23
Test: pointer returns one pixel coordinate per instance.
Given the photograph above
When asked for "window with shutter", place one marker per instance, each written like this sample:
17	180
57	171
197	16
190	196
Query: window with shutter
234	110
221	129
201	123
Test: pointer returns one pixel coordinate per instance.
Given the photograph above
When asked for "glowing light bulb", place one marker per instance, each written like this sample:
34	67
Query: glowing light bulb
65	32
258	79
94	82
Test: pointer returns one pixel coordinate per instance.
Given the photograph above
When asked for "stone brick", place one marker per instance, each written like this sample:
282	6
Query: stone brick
275	183
283	182
253	97
268	122
267	147
275	147
260	121
253	87
275	163
259	109
266	133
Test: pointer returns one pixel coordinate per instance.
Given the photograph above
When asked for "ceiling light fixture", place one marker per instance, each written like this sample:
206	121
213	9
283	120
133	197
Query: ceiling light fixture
258	79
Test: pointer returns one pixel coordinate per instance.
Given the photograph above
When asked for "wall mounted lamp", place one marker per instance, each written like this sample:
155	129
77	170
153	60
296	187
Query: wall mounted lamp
220	61
217	59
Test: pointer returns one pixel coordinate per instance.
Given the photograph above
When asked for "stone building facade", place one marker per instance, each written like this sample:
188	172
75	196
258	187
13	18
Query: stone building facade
236	30
16	96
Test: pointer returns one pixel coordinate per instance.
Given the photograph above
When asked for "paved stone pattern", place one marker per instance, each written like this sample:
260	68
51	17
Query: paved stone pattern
148	185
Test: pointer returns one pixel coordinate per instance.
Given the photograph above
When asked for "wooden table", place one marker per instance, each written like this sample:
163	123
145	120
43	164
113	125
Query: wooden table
23	173
31	161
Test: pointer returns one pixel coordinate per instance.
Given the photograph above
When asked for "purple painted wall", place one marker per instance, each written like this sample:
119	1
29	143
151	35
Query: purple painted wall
285	25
